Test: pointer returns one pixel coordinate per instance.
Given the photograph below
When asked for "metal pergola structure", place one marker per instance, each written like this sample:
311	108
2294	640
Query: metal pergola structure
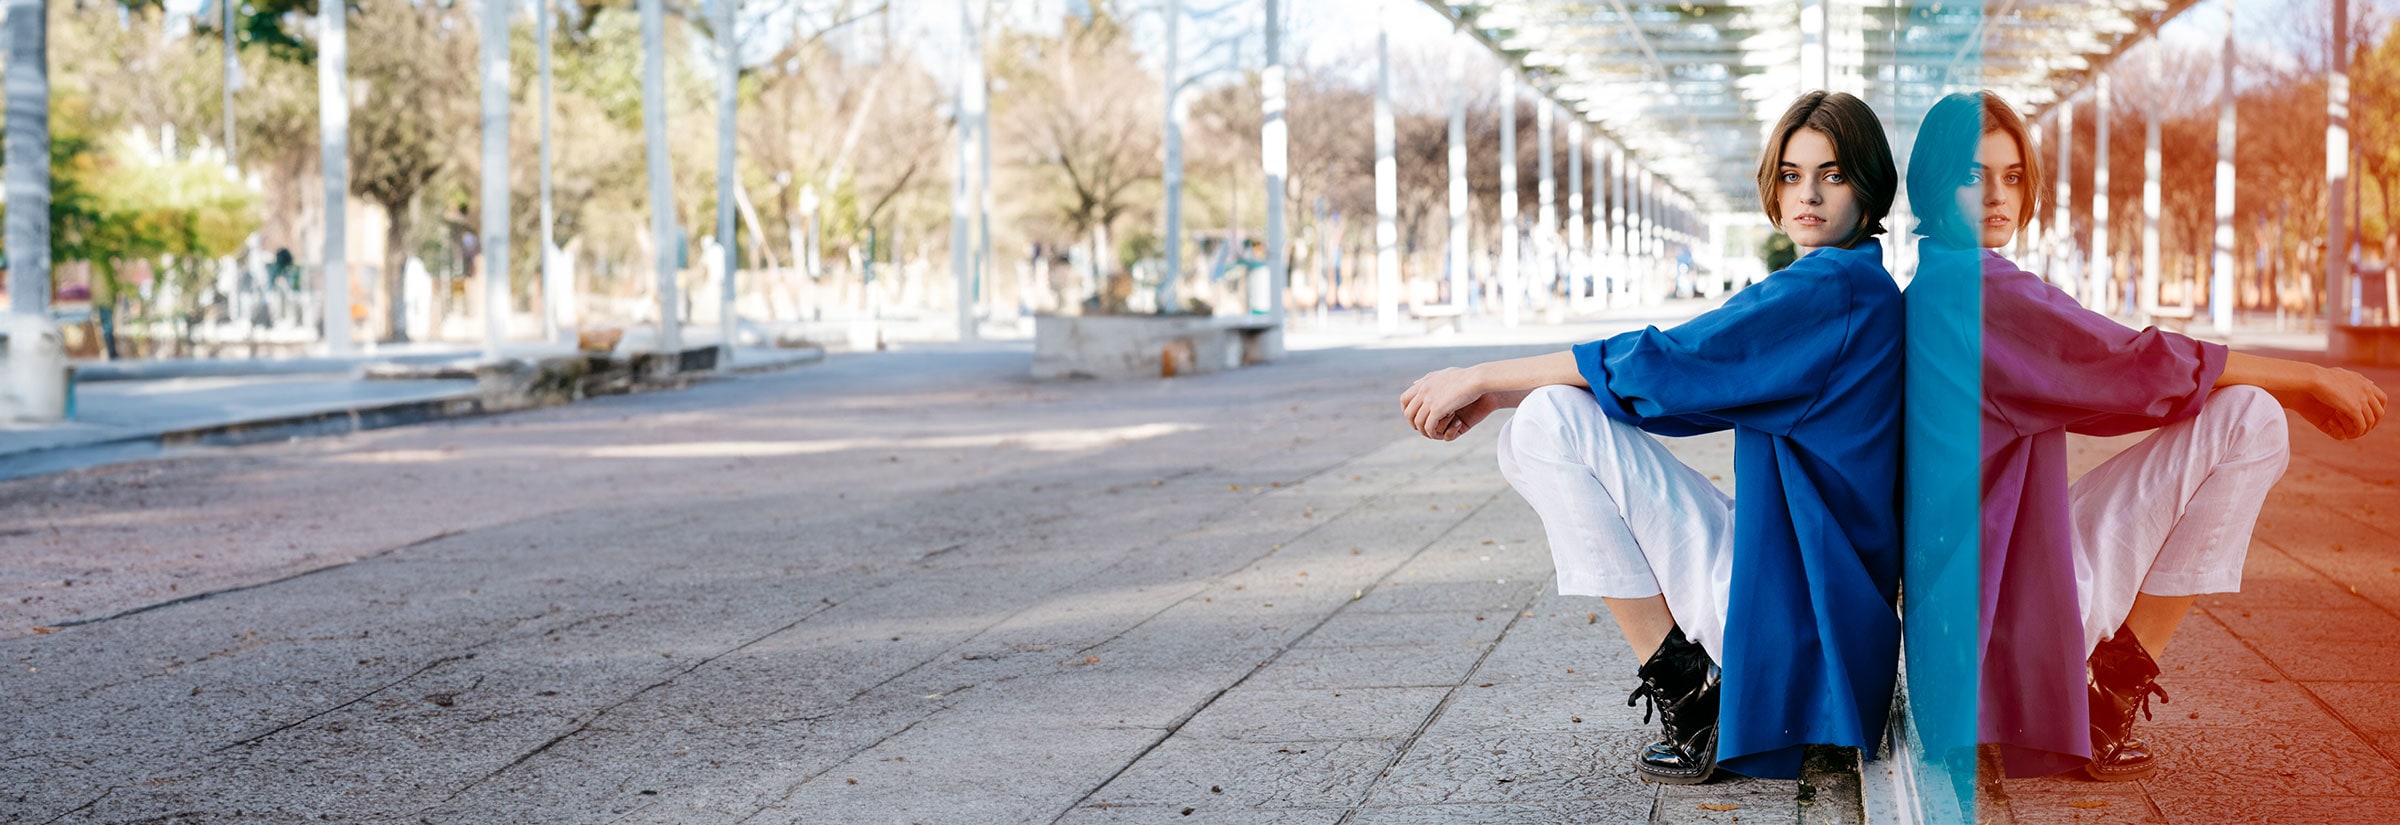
1688	88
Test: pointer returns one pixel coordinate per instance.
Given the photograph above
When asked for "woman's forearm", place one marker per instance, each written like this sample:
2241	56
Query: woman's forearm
2275	375
1518	376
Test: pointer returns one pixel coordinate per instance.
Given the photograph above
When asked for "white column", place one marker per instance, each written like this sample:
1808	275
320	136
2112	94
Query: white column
1173	178
1620	246
233	79
2103	269
2221	295
494	197
970	109
2150	191
1459	282
1387	185
728	319
1508	196
2062	227
28	154
986	286
1274	142
1647	229
1576	267
333	142
2030	243
2337	184
1545	238
558	296
1815	69
662	187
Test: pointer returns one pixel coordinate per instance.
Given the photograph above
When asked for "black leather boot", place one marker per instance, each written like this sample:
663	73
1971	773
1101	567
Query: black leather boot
2123	678
1681	683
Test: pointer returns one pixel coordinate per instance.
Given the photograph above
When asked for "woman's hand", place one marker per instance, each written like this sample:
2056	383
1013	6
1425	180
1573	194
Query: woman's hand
2342	403
1476	411
1432	404
1445	404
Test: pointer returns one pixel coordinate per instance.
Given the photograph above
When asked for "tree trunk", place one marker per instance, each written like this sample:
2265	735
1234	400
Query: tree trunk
395	272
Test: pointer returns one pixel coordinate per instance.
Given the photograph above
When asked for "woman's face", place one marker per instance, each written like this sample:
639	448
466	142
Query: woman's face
1818	206
1991	199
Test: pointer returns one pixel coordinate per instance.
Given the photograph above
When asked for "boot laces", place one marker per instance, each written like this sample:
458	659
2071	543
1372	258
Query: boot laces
1646	692
2141	701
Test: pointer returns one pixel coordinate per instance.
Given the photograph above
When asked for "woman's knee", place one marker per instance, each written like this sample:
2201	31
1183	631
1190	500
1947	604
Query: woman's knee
2252	421
1541	427
1554	403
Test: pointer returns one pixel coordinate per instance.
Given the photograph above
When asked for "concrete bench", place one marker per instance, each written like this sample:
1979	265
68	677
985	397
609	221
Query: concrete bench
2377	345
1437	316
1140	346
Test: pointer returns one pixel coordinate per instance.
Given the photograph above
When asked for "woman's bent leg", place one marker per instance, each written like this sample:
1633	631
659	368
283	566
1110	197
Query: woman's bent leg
1626	521
2156	526
2172	515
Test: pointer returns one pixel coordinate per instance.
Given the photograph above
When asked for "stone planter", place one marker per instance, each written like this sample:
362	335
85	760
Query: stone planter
1143	346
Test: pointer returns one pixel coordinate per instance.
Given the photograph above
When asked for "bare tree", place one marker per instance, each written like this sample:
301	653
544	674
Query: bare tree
407	129
1081	117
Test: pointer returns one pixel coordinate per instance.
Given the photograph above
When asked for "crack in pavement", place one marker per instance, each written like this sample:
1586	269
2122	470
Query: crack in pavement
945	654
83	807
255	739
1362	503
586	724
1517	614
269	583
1178	724
795	789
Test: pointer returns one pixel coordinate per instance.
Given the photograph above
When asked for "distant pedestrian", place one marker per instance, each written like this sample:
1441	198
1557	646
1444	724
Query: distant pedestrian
1789	583
2084	584
283	272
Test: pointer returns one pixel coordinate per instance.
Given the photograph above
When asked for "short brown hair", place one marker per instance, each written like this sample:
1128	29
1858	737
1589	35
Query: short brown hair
1858	144
1945	154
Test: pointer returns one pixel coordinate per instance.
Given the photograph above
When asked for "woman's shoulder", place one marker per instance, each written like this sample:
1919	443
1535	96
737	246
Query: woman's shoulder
2005	281
1861	262
1866	254
1854	274
1826	284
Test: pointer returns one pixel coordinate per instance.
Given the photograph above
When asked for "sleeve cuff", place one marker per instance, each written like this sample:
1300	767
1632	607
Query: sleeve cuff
1591	359
2212	363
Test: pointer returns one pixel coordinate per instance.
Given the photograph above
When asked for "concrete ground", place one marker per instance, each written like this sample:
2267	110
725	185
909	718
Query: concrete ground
912	586
2285	697
917	587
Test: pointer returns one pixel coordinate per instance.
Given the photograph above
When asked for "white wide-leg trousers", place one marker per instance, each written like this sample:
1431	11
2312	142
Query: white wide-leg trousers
2172	515
1625	518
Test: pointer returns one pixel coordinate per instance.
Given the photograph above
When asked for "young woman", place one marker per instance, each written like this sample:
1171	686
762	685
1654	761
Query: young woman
2096	574
1790	583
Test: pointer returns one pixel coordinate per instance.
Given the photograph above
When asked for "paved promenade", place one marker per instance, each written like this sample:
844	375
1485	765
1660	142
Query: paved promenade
916	586
2286	696
898	587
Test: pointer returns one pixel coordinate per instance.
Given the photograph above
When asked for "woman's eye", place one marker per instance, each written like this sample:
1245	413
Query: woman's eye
2015	179
1974	178
1791	177
1833	177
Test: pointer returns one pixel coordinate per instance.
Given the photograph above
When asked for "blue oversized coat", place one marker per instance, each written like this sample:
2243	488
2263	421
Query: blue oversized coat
1805	367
